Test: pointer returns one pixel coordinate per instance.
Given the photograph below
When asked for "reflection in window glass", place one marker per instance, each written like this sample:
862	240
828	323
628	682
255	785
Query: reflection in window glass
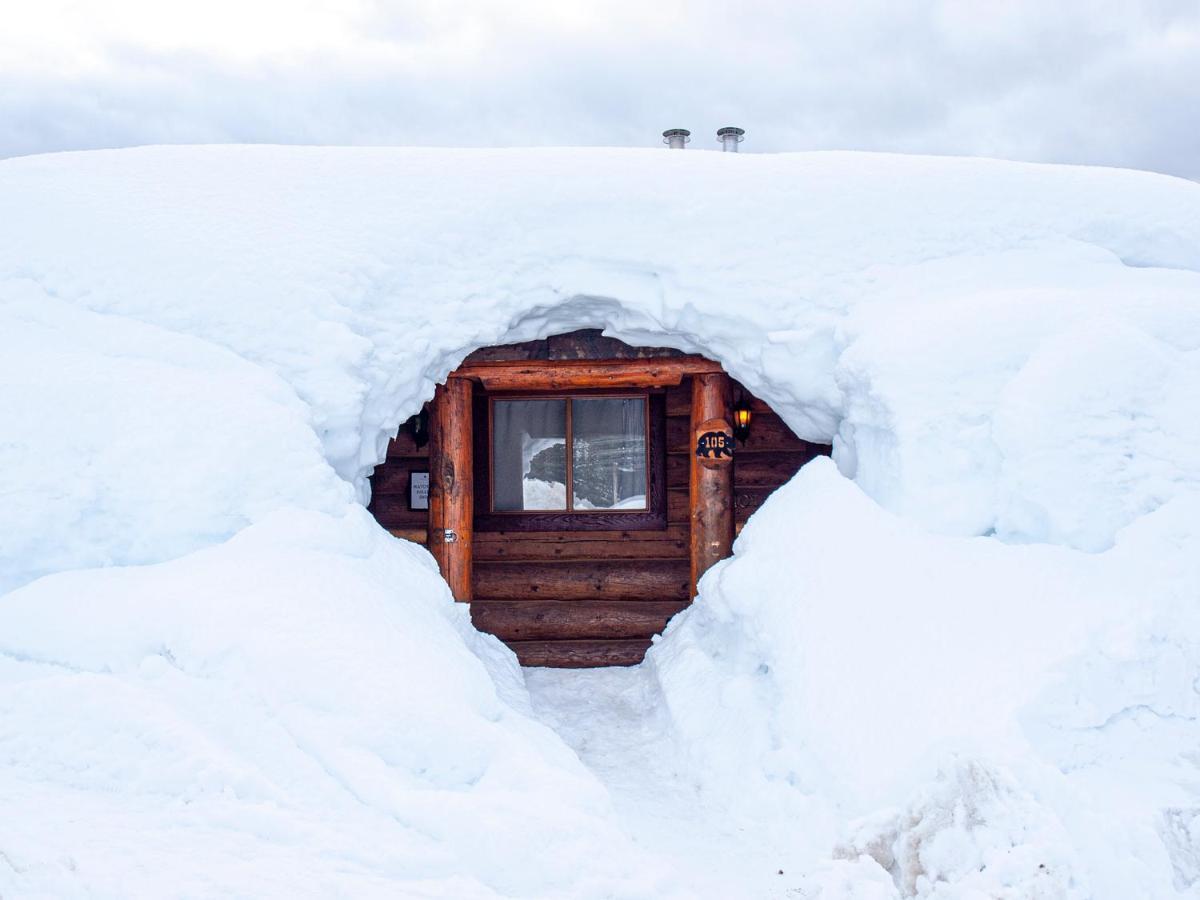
529	455
608	453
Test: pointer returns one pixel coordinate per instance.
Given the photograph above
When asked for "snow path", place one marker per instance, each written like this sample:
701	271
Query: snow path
612	719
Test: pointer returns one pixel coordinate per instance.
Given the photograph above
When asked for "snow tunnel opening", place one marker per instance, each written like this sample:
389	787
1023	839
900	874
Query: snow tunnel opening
573	488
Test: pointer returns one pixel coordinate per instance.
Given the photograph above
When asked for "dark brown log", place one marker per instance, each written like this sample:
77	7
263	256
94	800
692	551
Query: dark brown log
679	508
391	511
451	485
672	542
416	535
609	579
679	434
679	399
769	432
590	343
586	343
679	471
517	620
516	375
392	477
711	486
403	446
525	350
581	654
768	468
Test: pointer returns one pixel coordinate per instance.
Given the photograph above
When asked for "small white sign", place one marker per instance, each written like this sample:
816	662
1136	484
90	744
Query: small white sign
418	490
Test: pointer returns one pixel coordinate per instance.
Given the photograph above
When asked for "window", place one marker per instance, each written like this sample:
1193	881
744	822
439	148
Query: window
571	461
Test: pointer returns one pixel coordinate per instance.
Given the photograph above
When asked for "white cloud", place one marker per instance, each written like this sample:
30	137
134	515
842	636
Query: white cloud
1070	81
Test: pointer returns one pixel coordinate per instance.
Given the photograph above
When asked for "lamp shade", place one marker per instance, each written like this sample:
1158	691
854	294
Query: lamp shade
742	414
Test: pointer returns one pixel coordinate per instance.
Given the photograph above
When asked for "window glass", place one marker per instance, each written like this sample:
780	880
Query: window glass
608	453
529	455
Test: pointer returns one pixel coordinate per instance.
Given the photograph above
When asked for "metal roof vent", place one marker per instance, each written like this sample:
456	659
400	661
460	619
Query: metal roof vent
676	138
730	137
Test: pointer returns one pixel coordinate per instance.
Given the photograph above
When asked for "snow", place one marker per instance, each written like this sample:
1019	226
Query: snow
958	661
274	698
842	656
539	494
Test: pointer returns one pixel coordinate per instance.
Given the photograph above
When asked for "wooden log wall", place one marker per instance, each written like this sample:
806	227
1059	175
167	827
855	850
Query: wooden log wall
771	456
389	489
593	598
452	485
710	479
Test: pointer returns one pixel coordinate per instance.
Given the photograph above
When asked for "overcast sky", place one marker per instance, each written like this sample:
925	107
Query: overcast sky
1054	80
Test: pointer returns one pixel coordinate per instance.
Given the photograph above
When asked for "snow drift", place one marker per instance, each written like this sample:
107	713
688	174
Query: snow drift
967	333
272	708
204	350
842	656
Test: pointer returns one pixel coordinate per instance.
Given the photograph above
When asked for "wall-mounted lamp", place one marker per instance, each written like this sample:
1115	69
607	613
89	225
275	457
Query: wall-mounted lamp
742	413
418	427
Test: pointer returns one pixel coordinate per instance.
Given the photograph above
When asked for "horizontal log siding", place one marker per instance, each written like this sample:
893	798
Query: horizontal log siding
389	489
765	462
563	620
593	579
596	598
537	546
581	654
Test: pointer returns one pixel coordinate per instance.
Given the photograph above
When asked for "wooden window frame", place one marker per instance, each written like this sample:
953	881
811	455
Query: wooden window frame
652	518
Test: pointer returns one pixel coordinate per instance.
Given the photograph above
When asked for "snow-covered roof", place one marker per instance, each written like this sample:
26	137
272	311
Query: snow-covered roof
910	308
194	340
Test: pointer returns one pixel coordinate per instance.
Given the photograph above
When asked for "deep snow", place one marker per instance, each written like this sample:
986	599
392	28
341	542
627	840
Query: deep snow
961	663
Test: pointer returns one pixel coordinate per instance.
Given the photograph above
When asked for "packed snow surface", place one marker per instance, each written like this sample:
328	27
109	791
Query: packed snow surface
958	661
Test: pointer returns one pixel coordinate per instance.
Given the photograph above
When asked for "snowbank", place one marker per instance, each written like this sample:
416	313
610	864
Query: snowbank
842	657
274	708
204	350
967	332
126	443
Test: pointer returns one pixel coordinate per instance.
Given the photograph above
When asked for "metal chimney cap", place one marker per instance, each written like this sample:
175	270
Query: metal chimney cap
731	131
676	133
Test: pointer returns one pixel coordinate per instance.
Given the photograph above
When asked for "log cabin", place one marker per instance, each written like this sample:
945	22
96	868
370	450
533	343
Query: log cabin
574	489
